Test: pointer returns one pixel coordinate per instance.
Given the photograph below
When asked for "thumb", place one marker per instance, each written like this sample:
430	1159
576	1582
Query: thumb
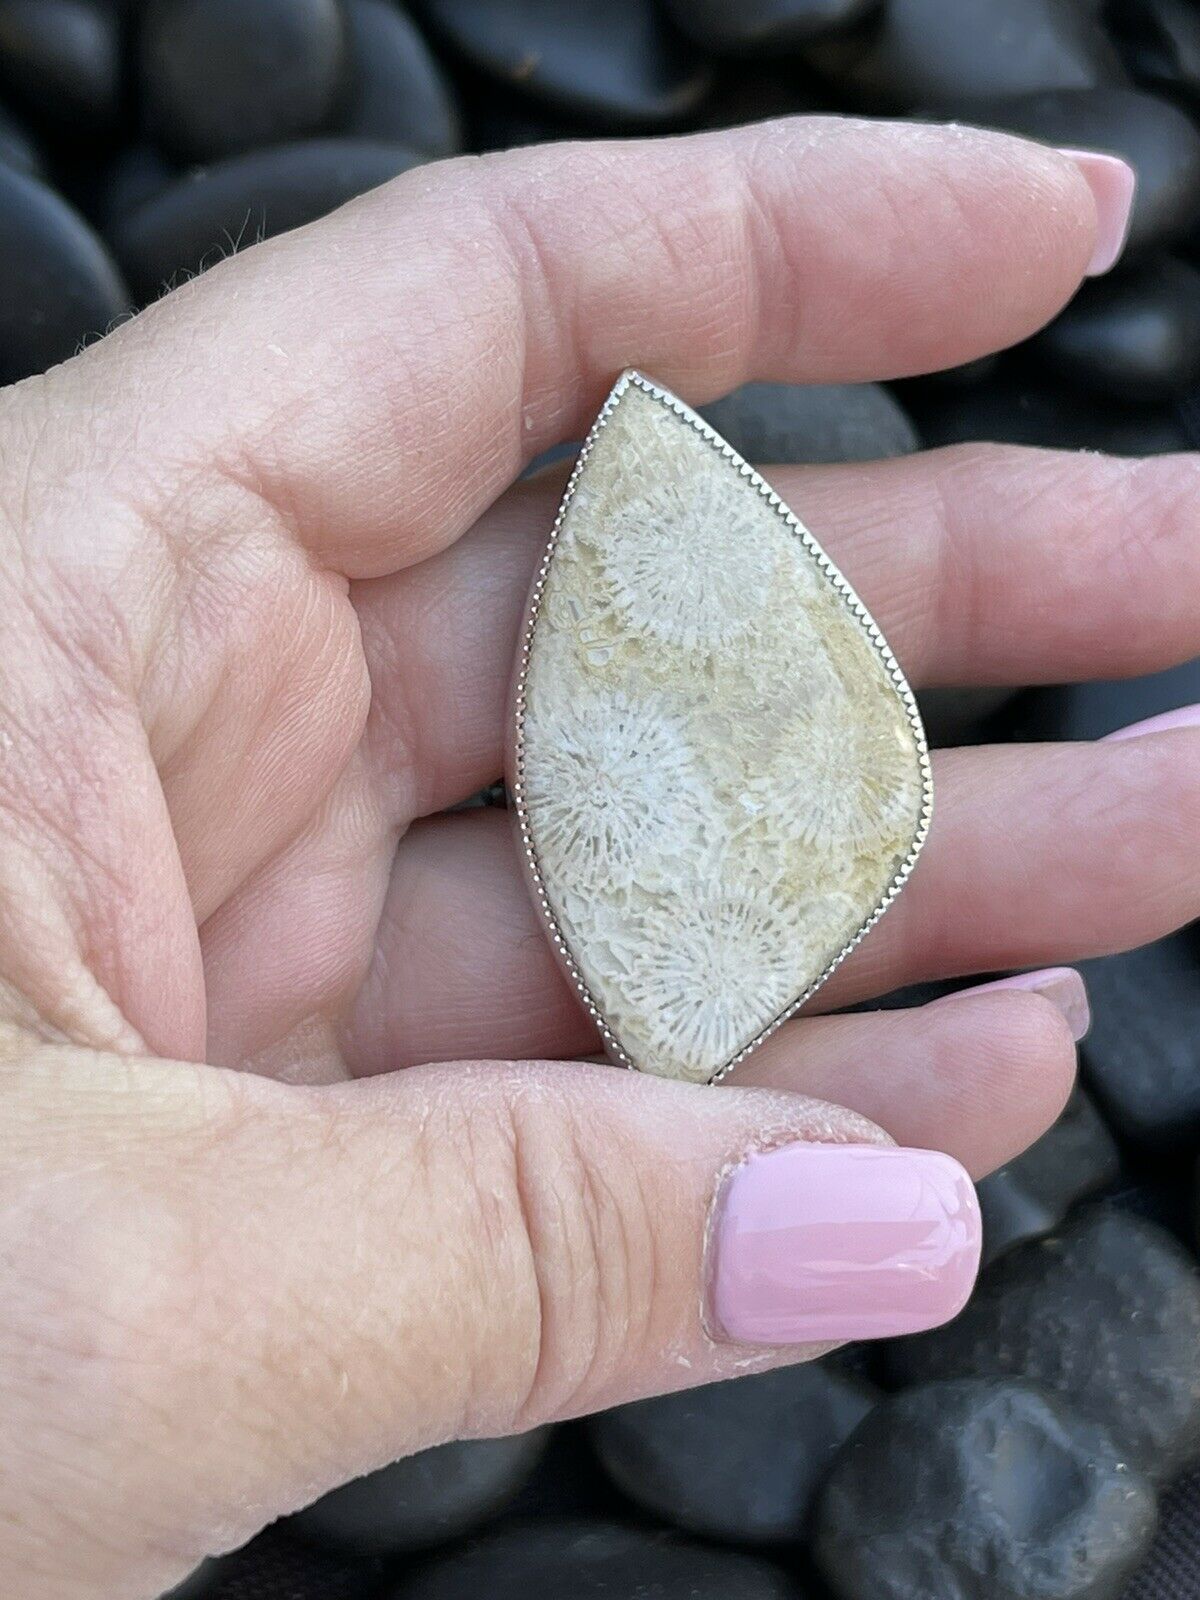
274	1288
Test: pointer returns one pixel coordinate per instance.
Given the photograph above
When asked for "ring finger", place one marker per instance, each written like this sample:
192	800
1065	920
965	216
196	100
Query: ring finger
1038	854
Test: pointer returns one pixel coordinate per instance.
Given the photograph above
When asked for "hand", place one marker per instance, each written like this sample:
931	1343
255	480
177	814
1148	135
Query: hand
261	567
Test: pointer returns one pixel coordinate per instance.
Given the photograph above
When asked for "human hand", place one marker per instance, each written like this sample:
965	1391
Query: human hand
262	576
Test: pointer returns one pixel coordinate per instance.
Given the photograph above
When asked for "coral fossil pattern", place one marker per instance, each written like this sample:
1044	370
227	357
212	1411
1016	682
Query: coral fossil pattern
698	604
719	773
614	786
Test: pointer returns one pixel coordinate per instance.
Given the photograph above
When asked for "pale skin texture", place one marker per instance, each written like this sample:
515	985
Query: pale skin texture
262	572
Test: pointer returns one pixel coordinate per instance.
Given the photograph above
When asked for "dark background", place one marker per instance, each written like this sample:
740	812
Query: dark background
1026	1452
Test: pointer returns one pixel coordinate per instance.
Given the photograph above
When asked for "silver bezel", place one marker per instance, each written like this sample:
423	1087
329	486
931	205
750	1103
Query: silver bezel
632	379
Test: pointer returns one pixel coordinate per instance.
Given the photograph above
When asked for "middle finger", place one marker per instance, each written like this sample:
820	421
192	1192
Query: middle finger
982	564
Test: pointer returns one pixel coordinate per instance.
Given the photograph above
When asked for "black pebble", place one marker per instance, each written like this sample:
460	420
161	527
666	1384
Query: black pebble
1142	1058
981	1491
204	217
1106	1314
200	1584
1161	1194
1159	42
60	63
1159	141
785	423
223	76
550	457
17	148
425	1499
1030	1197
58	285
758	91
1173	1557
1090	710
924	51
753	27
954	716
1014	410
500	119
965	376
398	93
136	175
741	1460
593	1561
1135	336
612	62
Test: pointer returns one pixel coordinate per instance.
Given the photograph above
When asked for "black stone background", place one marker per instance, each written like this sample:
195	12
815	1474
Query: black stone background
141	140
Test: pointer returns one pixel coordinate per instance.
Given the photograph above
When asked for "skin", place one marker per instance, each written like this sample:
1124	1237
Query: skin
261	568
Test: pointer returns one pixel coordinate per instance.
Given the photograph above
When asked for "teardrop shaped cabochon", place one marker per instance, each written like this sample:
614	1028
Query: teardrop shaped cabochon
718	772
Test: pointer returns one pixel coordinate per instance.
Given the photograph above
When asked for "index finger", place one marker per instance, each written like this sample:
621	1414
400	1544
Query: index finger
378	377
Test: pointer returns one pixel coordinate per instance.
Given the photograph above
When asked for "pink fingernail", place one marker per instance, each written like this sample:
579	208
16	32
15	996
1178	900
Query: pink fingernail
1164	722
1112	182
1063	985
816	1242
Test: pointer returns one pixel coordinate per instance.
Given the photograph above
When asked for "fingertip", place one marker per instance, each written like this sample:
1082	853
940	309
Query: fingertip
1063	987
1030	1039
1019	222
1112	183
1064	213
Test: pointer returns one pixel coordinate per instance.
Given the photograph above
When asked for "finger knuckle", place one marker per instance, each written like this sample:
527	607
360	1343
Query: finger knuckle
588	1267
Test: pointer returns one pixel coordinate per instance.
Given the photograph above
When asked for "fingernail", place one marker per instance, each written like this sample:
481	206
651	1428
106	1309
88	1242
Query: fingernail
1063	985
1112	182
815	1242
1164	722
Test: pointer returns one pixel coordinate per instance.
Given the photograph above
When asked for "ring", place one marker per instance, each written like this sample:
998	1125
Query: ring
718	772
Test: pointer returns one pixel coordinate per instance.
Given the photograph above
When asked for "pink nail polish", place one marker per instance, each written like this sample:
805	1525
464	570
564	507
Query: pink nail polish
1063	985
815	1242
1112	182
1164	722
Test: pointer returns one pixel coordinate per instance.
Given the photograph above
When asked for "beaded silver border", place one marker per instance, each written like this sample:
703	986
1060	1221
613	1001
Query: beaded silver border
632	379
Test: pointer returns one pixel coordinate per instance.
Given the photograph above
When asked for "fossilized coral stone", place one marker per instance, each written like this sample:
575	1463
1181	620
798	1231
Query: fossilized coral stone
719	773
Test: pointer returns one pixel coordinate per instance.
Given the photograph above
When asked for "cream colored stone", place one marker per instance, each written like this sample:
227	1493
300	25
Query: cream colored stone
719	772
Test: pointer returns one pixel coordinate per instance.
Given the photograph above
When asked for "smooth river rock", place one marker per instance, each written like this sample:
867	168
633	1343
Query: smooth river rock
1032	1194
925	51
135	176
58	284
201	1584
786	423
1142	1058
758	91
224	76
1134	335
740	1461
720	777
1016	409
398	94
60	63
593	1561
1172	1557
1091	710
202	218
762	27
426	1499
17	148
1159	42
1105	1314
981	1490
616	65
963	716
